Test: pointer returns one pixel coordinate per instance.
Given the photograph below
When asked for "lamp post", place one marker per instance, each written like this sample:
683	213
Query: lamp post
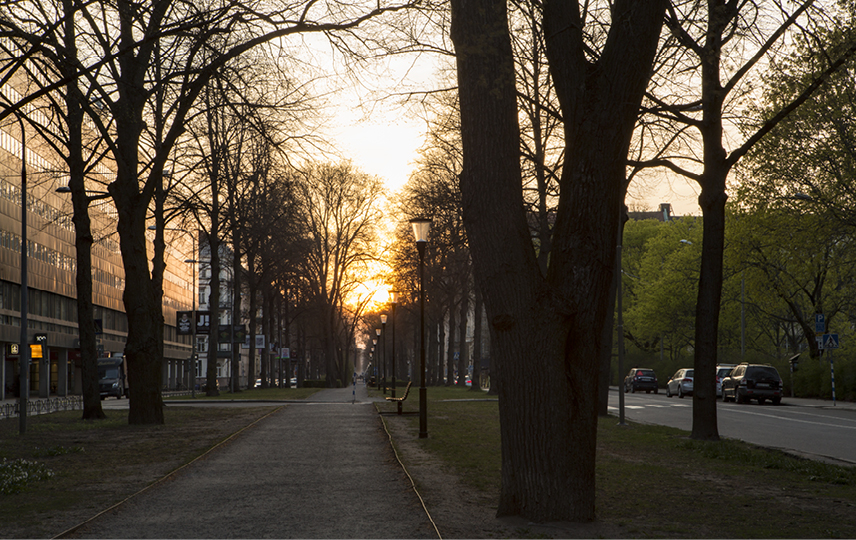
191	379
24	346
377	365
393	295
421	227
619	284
383	358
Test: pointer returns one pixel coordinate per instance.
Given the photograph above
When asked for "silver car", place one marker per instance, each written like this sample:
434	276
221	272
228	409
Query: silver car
681	383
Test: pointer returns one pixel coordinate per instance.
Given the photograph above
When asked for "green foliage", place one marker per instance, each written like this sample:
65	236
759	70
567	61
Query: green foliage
660	263
17	474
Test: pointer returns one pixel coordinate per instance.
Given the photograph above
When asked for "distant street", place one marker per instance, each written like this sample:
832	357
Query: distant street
810	427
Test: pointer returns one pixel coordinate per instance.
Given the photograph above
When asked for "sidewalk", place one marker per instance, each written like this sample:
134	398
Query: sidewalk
322	469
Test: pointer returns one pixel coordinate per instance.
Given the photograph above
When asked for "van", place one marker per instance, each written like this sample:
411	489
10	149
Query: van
113	377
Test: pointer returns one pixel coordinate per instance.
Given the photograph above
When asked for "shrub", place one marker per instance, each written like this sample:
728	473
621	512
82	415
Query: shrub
17	474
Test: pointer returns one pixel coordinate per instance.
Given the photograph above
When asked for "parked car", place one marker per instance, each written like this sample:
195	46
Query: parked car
752	381
681	383
722	371
641	379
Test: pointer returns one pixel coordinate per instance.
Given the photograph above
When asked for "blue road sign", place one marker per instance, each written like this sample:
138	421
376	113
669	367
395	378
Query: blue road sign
819	323
828	341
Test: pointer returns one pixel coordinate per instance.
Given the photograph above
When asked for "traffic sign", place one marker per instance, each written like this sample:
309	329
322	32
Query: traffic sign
828	341
819	323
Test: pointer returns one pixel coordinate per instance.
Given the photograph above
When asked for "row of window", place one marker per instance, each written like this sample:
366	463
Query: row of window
36	251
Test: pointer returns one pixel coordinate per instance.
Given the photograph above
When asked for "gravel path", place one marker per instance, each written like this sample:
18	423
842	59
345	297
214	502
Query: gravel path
323	469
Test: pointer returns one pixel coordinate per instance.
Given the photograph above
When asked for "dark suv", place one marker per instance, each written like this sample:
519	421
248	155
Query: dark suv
752	381
641	379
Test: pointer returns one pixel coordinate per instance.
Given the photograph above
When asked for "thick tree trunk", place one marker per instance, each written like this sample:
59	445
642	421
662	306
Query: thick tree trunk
143	306
546	333
707	316
142	298
712	202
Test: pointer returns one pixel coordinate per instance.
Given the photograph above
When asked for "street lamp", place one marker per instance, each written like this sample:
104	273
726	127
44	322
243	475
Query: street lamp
383	358
24	346
421	227
191	379
393	298
377	365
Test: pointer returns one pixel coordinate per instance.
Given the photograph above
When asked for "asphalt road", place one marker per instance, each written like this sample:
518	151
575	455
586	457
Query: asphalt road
812	428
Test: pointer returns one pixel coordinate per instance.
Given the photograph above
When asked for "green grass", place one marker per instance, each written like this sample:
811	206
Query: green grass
655	481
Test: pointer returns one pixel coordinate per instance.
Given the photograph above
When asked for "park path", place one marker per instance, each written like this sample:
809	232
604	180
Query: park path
320	469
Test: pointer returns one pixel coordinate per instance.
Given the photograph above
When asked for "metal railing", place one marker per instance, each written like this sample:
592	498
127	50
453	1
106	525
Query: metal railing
42	406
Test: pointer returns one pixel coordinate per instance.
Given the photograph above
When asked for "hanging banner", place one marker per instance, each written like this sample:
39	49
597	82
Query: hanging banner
184	323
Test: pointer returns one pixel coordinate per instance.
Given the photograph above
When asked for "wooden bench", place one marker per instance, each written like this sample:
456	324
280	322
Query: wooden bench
402	398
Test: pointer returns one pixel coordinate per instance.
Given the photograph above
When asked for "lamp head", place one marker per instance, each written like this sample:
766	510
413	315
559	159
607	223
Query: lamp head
421	227
383	318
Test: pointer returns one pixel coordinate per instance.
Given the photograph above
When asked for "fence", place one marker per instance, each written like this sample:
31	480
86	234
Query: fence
42	406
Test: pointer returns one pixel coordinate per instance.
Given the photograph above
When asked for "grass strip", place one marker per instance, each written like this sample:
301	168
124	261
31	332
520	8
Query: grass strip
656	482
95	464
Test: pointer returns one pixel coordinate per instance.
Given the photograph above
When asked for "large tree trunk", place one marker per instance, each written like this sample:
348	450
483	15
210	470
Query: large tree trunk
547	332
82	234
143	350
142	299
712	202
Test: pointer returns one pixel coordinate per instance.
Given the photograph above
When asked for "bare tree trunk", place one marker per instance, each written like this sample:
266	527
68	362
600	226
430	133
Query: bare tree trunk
450	344
82	232
463	348
267	325
254	324
477	339
542	327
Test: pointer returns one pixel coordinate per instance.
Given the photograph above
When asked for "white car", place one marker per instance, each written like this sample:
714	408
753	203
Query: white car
722	371
681	383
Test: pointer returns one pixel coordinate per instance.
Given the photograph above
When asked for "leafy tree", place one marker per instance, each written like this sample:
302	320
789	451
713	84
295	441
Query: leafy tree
662	294
804	264
711	37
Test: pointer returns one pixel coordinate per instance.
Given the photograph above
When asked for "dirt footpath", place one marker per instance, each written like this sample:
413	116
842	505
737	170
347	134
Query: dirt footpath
323	469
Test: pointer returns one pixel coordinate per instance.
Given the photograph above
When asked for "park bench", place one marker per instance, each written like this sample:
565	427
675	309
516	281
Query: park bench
399	400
